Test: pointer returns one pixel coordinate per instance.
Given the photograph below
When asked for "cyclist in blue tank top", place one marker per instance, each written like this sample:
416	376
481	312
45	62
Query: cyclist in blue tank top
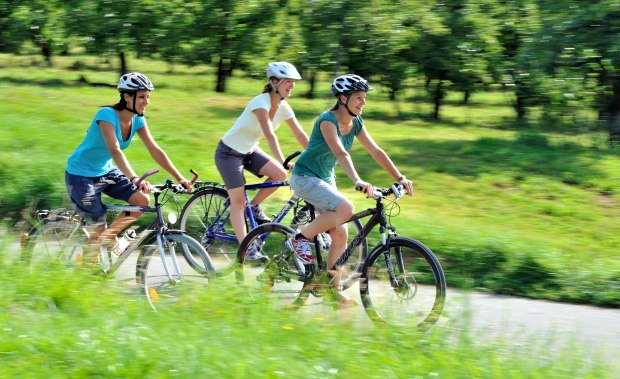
313	175
98	165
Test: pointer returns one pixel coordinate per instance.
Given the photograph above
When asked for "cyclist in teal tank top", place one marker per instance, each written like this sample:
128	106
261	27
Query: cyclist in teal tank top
314	180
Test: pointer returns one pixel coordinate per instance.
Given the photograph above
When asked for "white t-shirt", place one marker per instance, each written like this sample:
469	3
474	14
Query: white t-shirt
246	132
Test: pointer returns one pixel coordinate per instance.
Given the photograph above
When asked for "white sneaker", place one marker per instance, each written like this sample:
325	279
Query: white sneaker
254	255
302	248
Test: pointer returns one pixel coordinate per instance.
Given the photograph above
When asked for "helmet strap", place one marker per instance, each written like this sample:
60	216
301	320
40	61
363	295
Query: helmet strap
346	104
134	105
275	89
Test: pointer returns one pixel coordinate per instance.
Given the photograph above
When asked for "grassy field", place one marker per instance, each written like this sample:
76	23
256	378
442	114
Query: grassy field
506	210
60	323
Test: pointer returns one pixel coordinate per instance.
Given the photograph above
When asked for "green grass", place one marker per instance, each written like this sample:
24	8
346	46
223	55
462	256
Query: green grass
61	323
506	209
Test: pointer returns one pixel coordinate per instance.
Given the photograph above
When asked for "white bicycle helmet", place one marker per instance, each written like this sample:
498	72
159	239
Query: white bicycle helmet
349	83
134	81
282	70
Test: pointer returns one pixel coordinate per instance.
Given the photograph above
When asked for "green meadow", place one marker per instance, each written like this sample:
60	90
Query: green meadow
509	210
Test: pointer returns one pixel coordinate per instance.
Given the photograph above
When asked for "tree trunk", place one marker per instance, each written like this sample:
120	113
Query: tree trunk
466	95
220	84
312	81
46	50
438	96
121	57
614	112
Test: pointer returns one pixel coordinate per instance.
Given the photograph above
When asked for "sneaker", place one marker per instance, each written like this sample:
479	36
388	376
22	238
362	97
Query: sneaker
259	215
254	255
302	248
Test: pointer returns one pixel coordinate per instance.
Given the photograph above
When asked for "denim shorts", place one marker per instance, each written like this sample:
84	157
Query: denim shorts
85	193
230	163
323	195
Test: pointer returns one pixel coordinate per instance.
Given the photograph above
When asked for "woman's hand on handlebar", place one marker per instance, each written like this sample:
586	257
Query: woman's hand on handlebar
408	185
187	184
365	187
144	187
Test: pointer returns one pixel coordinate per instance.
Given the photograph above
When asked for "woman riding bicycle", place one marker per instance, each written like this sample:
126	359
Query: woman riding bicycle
313	177
238	148
91	168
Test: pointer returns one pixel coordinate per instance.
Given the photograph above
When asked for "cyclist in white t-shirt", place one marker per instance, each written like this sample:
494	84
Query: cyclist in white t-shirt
238	148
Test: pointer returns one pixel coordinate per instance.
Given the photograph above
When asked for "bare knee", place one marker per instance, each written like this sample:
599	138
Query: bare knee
277	175
140	199
344	211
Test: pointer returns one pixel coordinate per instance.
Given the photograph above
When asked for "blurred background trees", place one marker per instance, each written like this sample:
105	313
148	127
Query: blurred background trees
559	59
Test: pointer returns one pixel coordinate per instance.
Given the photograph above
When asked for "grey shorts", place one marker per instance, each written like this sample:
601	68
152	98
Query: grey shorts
323	195
230	163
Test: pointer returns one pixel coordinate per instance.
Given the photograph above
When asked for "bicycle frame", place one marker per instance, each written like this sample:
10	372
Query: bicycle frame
215	230
377	218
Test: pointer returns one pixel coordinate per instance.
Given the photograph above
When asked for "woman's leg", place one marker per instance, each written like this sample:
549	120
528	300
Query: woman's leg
237	211
123	220
274	173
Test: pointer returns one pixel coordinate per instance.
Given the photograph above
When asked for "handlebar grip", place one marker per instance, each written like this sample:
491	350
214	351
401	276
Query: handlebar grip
195	176
136	185
290	158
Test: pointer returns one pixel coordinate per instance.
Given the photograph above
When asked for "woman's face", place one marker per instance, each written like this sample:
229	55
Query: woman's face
357	101
286	87
142	100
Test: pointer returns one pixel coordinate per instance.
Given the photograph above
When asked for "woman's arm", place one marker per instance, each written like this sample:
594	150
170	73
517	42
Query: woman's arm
160	156
298	132
267	127
381	157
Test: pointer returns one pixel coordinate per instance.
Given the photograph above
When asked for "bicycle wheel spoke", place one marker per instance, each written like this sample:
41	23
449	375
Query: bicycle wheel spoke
204	219
54	242
162	277
417	294
279	275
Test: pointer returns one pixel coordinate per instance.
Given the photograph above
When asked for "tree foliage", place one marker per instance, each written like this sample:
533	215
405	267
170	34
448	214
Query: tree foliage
557	57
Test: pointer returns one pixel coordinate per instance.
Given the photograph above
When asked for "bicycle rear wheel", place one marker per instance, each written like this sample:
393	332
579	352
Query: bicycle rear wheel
417	297
282	278
160	273
351	269
53	242
207	210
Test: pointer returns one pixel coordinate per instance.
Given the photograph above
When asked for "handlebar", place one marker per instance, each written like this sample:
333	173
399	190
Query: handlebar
290	158
397	189
177	188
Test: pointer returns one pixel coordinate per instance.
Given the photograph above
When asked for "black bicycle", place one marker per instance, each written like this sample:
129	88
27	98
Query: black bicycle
401	281
206	217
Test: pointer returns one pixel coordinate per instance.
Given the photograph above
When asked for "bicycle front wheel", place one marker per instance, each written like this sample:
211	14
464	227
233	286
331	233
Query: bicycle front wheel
160	271
205	217
414	295
281	276
54	242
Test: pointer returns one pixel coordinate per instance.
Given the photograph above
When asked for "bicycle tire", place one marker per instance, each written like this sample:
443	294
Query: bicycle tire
161	289
418	298
198	214
281	277
352	268
51	242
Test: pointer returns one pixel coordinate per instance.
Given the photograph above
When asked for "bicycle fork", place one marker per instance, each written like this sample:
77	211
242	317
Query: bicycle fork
162	244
